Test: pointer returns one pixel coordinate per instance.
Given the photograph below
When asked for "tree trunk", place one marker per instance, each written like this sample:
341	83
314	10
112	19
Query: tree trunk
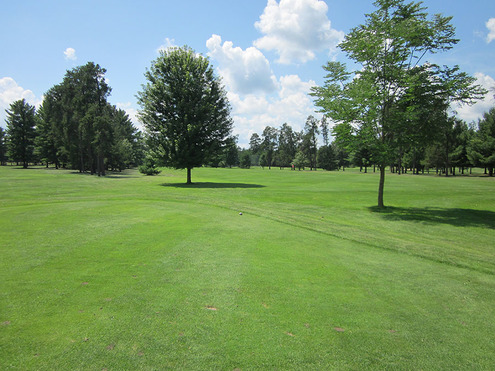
381	186
189	175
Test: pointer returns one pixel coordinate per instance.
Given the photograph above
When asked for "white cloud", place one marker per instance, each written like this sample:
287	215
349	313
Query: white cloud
10	91
70	54
490	24
297	29
475	112
291	105
243	71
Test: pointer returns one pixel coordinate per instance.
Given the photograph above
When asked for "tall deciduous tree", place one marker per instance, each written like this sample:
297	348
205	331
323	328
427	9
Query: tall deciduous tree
185	109
390	48
21	132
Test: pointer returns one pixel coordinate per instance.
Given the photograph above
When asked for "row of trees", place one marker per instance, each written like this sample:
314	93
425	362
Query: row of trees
75	127
284	147
456	145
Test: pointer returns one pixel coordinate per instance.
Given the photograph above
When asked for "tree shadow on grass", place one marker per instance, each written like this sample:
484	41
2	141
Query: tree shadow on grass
434	215
212	185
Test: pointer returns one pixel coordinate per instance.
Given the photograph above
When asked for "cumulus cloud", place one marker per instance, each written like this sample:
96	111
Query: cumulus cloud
475	112
490	24
296	29
243	71
10	91
291	104
70	54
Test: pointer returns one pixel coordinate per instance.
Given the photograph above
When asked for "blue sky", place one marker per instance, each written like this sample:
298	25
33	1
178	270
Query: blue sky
268	52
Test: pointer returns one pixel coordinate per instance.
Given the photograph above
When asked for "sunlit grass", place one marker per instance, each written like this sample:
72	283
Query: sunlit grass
135	272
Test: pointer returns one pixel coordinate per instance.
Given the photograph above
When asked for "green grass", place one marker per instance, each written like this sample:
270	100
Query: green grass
135	272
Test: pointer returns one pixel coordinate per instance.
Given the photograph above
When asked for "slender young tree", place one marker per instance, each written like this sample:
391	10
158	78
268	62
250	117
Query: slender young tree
21	132
185	109
389	50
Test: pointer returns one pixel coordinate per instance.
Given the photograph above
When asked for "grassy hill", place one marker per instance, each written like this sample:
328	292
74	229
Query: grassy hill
135	272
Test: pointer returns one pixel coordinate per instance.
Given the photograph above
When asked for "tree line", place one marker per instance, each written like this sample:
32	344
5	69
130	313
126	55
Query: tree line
75	127
456	147
286	147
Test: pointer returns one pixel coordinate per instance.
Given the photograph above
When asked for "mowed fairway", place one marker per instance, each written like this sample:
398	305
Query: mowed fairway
135	272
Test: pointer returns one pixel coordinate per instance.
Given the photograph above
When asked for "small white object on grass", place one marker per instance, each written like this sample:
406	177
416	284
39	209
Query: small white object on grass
240	213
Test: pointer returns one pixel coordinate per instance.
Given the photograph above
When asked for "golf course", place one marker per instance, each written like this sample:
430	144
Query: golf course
245	269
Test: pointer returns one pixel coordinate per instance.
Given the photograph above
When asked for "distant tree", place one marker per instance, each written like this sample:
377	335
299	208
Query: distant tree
245	161
301	160
287	146
389	49
149	165
481	150
263	160
361	156
124	146
255	148
21	132
325	131
3	146
45	142
185	109
269	144
341	154
310	141
459	155
255	143
327	159
231	152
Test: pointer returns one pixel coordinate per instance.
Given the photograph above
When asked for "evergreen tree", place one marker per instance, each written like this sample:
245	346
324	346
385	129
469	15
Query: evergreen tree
327	159
45	142
310	141
481	150
287	146
269	145
231	152
245	160
21	132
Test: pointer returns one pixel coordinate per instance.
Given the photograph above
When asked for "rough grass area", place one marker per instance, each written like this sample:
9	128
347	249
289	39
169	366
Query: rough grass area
135	272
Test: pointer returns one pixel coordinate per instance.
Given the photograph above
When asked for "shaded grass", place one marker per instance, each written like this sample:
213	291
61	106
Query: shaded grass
456	217
125	273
